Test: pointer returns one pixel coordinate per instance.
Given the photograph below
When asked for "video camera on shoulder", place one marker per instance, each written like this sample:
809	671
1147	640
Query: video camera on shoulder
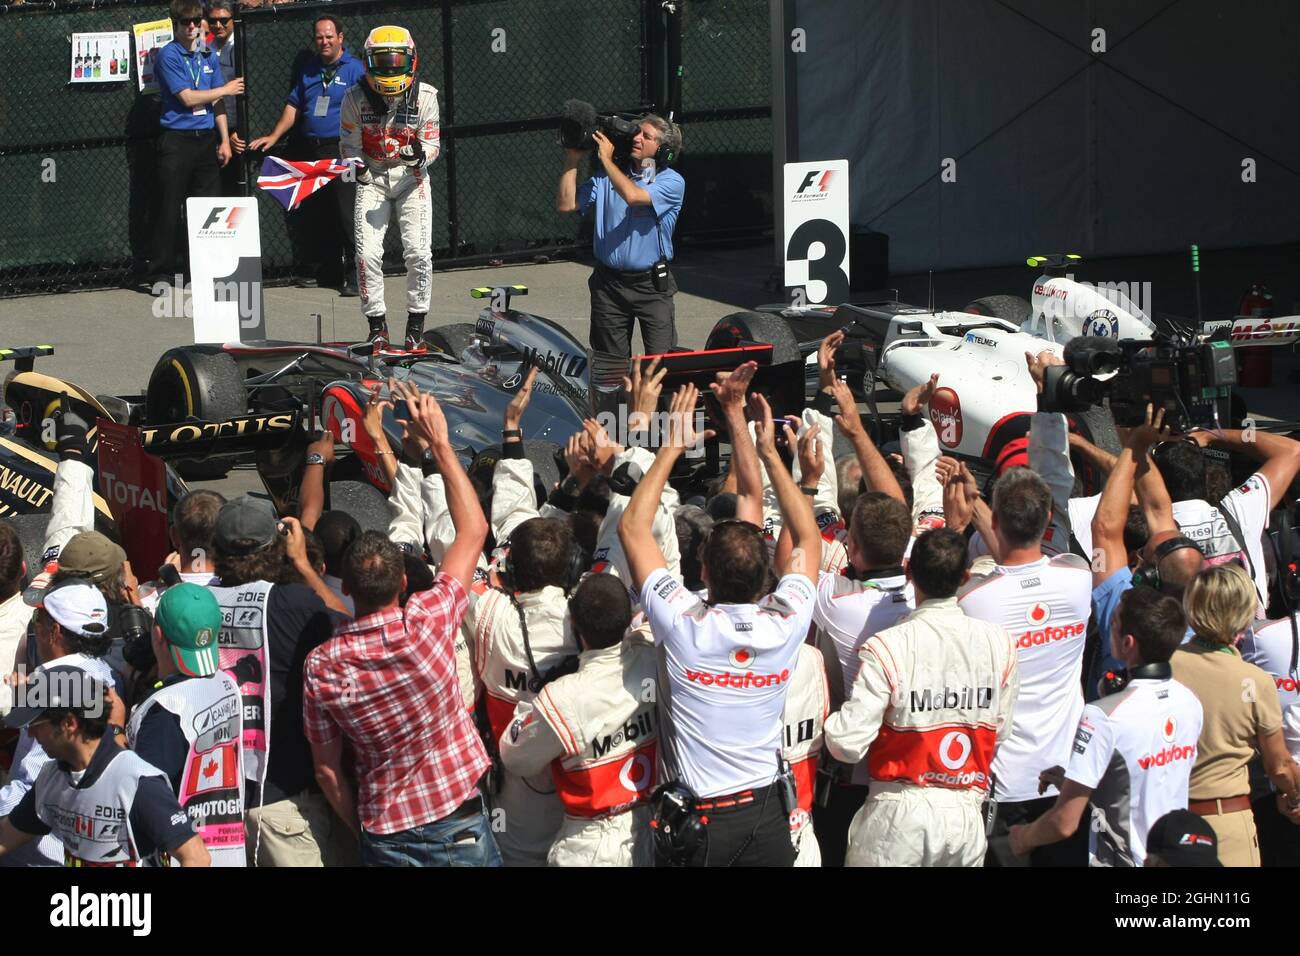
580	121
1193	382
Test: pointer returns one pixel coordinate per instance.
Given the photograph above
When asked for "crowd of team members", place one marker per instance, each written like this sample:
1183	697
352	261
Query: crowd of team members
861	661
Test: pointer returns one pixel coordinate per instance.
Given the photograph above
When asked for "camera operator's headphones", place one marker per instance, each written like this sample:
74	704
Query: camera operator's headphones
1150	575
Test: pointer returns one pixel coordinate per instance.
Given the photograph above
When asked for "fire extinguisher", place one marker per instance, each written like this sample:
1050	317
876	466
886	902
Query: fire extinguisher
1256	368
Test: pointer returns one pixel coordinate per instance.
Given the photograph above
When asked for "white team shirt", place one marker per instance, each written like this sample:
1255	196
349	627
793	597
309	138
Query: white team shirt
724	673
1269	647
1044	606
1135	750
1204	524
847	613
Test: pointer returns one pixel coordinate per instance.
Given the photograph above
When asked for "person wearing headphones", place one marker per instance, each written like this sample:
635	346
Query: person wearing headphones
637	200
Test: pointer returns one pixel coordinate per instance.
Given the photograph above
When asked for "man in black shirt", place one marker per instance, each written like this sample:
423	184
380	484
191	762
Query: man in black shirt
290	822
107	805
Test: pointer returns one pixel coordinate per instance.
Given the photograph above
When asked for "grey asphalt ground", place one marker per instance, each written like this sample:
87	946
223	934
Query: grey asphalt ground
108	341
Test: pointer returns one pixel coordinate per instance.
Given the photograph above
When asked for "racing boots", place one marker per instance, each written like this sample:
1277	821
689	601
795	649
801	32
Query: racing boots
415	332
378	332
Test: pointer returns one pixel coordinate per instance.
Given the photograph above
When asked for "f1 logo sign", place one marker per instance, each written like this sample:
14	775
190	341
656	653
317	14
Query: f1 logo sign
822	178
232	217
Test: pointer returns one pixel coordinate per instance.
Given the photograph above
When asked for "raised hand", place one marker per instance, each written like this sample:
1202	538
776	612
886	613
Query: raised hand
519	404
919	395
731	387
812	461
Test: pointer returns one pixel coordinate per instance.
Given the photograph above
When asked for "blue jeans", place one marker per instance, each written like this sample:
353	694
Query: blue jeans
462	839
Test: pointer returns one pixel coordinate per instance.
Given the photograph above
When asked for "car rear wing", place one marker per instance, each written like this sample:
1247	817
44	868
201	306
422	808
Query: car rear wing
24	356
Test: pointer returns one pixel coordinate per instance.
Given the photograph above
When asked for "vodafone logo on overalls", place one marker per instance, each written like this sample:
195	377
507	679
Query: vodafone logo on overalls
954	748
636	773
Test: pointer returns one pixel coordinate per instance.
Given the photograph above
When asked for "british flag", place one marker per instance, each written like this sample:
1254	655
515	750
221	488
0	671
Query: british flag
291	181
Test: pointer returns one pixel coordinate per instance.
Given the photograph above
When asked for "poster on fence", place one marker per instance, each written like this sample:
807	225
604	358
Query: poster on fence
100	58
150	38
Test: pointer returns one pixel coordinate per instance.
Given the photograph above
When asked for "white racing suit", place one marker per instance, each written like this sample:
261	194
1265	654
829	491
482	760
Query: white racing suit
375	128
533	811
807	703
598	732
419	516
933	697
609	557
825	503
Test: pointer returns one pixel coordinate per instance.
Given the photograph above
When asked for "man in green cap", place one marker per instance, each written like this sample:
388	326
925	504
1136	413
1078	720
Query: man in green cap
191	727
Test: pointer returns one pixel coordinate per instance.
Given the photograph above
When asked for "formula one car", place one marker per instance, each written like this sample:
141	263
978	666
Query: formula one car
985	391
208	407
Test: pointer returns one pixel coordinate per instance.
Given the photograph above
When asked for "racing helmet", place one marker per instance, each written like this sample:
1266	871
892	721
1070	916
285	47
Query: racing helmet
390	60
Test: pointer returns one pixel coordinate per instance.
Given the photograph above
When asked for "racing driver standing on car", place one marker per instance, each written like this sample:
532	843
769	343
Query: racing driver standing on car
391	122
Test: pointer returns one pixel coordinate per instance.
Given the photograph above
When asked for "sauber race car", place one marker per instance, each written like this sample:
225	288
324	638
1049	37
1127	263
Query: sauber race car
980	409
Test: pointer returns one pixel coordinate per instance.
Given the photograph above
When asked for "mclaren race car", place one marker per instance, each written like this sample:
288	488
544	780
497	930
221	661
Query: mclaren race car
209	407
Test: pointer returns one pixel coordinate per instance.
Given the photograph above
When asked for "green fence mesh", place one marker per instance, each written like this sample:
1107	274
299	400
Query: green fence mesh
78	166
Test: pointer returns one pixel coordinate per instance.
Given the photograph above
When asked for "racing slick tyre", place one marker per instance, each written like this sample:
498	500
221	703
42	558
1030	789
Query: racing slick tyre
452	339
543	455
31	532
1009	307
363	501
762	327
193	383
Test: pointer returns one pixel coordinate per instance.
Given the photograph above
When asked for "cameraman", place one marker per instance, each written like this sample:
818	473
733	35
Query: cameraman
636	210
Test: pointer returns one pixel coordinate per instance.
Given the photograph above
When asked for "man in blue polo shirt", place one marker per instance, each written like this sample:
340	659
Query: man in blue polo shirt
322	226
636	210
195	143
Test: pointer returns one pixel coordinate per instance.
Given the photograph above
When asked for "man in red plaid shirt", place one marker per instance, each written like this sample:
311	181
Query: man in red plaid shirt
387	680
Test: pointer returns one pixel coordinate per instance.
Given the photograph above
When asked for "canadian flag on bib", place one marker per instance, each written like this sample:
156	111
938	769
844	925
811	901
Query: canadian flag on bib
214	770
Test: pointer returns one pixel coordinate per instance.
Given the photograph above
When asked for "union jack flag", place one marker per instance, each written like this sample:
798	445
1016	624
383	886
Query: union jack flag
291	181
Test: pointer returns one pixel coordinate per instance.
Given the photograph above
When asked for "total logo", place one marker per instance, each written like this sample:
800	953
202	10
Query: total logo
945	415
743	658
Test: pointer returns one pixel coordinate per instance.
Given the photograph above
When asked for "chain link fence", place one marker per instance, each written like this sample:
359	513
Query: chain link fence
78	159
726	119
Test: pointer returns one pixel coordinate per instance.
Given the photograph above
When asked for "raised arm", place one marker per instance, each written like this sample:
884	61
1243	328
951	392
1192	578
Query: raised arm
634	528
1109	553
426	422
796	512
1280	455
875	470
730	390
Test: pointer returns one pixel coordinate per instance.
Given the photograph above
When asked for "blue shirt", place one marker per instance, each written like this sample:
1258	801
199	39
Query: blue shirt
180	69
625	235
315	80
1105	604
